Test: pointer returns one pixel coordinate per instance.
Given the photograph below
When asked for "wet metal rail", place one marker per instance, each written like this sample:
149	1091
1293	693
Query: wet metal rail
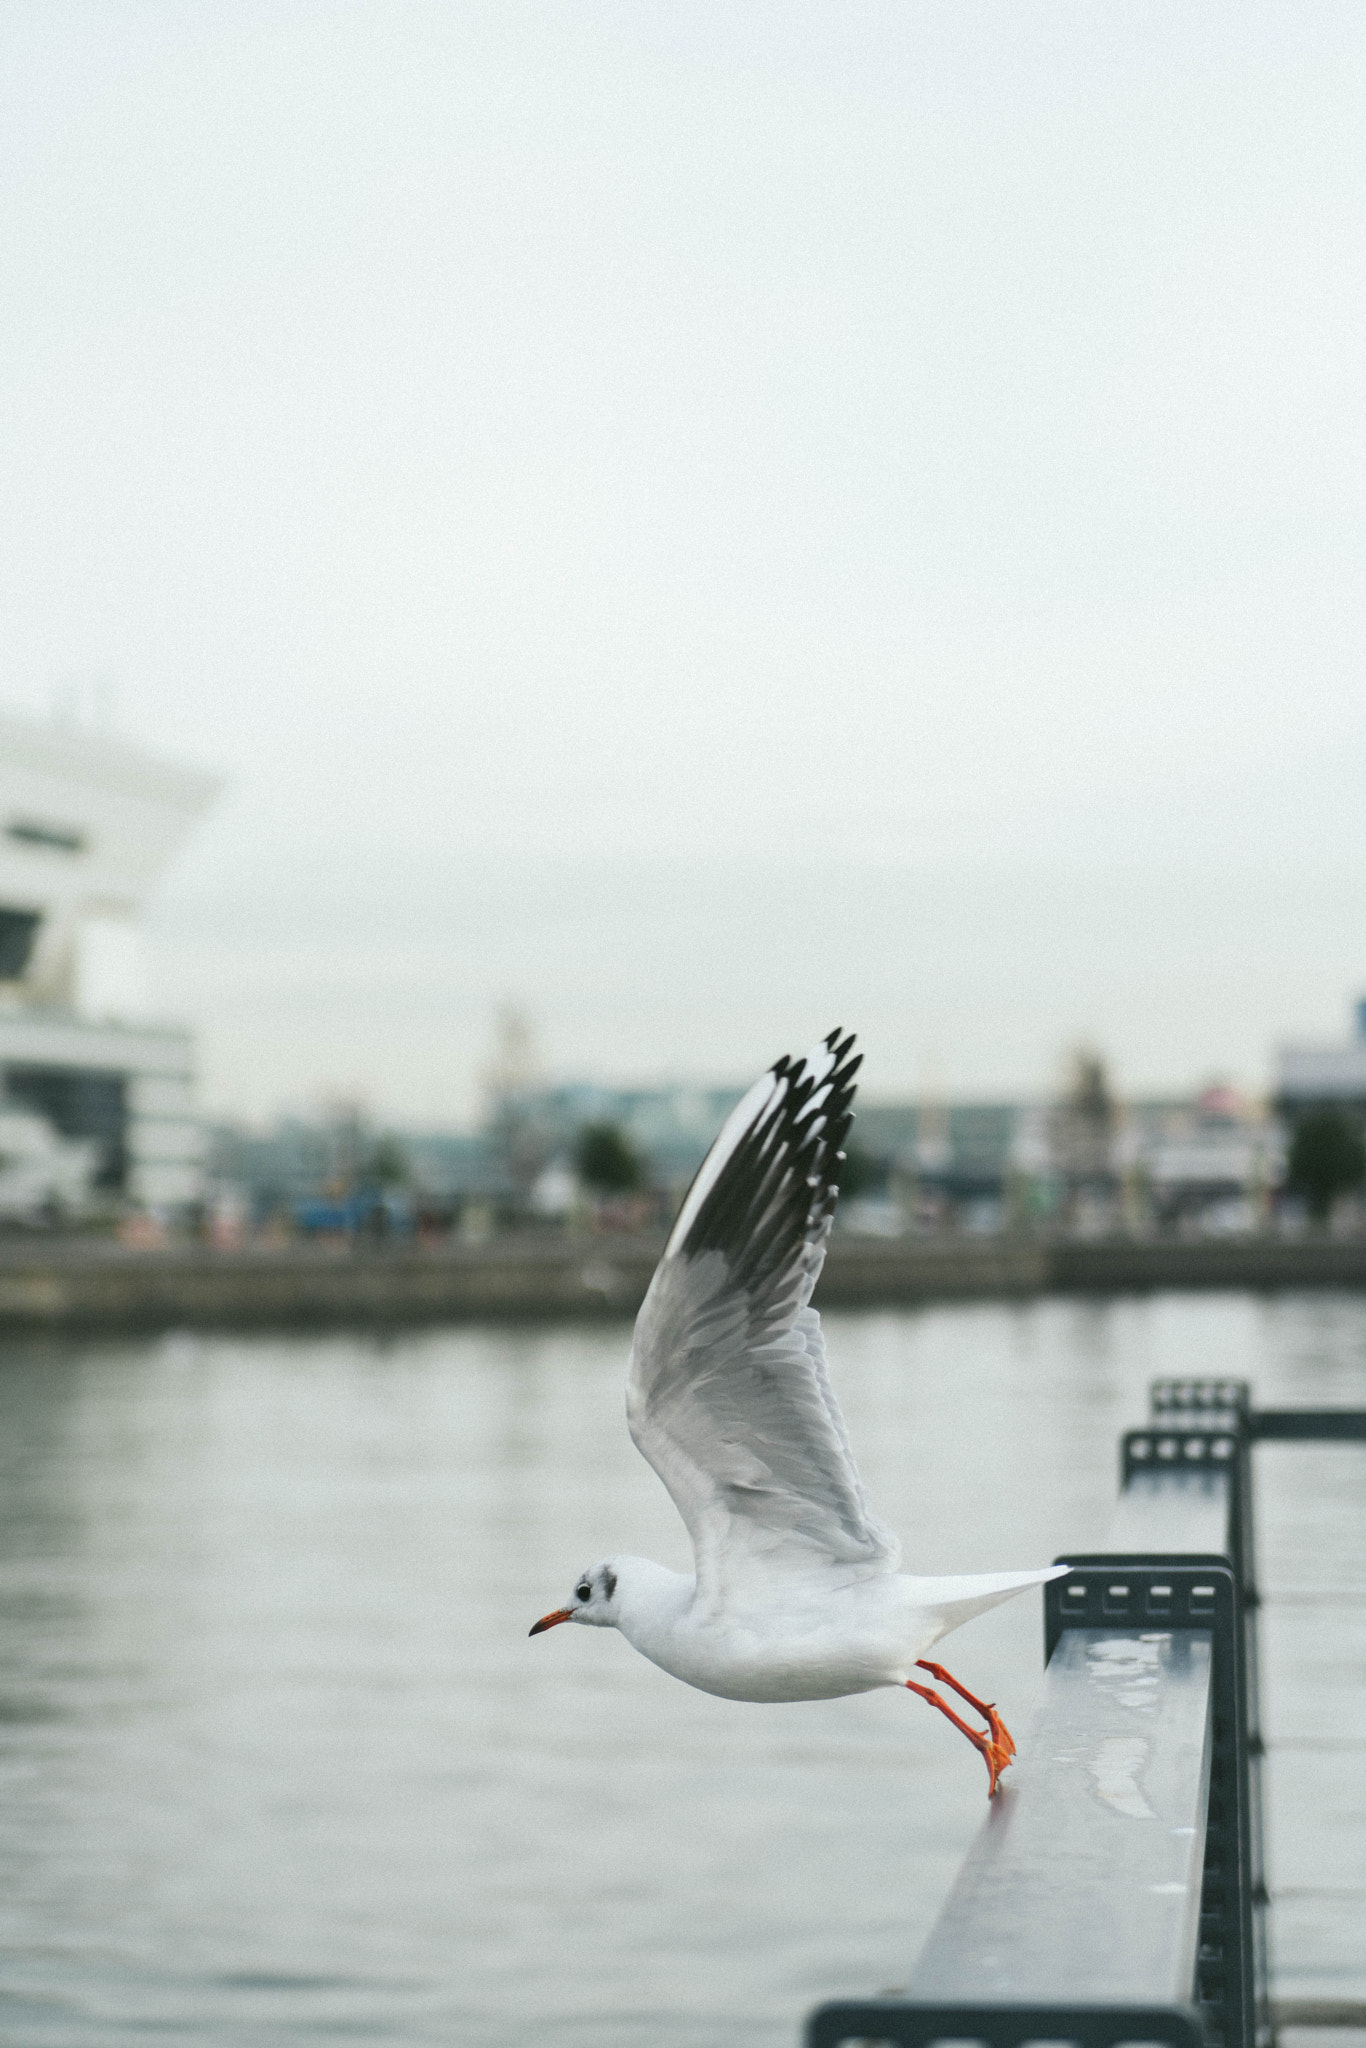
1115	1893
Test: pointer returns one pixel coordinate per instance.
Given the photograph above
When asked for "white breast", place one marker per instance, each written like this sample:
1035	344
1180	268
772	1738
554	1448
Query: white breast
814	1644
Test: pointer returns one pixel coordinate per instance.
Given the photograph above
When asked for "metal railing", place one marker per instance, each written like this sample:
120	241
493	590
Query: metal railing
1116	1892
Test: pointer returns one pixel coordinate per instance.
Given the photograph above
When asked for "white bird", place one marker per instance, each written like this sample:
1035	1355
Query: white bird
796	1593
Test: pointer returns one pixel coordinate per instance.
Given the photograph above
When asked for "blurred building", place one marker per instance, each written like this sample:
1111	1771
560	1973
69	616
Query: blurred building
1214	1163
1084	1163
1310	1077
282	1172
1083	1127
87	826
669	1129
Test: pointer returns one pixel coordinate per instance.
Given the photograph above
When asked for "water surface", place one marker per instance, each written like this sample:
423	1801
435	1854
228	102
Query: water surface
280	1764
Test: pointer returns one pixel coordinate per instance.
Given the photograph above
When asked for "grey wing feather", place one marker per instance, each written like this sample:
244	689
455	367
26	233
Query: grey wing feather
728	1395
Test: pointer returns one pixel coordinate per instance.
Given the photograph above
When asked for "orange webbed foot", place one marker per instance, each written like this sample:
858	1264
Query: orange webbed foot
1000	1734
997	1746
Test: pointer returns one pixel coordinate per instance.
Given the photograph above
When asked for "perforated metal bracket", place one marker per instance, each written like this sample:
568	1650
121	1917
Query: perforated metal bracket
1195	1446
1207	1448
1187	1400
1117	1592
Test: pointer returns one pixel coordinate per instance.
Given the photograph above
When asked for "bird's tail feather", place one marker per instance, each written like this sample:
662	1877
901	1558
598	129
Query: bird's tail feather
956	1600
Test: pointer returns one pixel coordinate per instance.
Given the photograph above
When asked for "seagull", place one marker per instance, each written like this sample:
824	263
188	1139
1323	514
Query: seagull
796	1592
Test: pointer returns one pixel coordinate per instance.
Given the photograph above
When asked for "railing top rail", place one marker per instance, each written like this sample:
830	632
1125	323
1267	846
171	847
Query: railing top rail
1066	1923
1308	1425
1110	1806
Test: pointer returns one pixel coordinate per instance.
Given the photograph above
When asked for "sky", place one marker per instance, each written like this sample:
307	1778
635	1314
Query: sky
705	522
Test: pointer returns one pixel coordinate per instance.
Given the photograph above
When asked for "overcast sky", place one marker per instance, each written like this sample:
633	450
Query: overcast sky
709	521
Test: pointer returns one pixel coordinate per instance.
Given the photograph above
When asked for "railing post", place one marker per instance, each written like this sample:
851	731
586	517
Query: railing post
1200	1438
1204	1424
1172	1606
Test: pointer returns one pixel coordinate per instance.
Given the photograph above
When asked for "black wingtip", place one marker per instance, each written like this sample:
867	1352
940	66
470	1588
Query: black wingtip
771	1207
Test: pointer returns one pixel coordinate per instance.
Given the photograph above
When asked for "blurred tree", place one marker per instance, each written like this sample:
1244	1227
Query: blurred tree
859	1172
605	1160
1327	1159
388	1164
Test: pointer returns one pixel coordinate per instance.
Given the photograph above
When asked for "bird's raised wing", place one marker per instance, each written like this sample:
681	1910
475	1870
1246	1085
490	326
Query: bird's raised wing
728	1395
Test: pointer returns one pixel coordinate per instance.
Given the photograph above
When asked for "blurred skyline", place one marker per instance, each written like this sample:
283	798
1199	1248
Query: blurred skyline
706	523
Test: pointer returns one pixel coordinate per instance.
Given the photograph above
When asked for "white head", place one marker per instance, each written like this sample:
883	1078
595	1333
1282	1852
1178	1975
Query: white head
595	1599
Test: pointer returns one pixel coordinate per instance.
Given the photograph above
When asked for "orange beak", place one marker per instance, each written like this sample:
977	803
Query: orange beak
550	1620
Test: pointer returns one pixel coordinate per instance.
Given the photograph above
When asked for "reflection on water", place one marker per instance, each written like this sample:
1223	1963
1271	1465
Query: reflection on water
280	1762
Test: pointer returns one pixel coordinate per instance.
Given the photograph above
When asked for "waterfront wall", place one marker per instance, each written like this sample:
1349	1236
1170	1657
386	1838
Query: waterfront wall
108	1287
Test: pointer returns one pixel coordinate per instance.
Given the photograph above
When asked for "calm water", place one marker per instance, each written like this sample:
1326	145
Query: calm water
280	1764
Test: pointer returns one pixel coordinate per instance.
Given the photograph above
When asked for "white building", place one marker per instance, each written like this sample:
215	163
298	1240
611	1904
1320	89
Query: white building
1319	1076
87	825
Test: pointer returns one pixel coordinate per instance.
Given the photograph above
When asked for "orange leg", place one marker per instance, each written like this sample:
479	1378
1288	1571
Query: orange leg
1000	1734
997	1747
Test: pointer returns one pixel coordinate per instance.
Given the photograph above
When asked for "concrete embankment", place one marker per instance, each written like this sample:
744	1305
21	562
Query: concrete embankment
106	1287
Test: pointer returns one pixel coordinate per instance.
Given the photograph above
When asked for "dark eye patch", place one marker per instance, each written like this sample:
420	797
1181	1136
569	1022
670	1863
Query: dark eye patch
609	1581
